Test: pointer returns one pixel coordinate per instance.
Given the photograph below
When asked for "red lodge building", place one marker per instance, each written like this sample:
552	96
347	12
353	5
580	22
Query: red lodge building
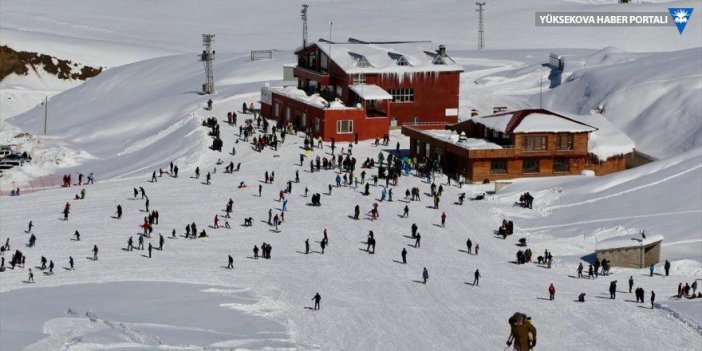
358	90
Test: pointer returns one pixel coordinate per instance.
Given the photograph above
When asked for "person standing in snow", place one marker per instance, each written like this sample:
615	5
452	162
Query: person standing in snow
231	262
469	245
161	240
307	246
653	298
30	279
425	275
580	271
551	292
417	240
119	211
70	262
477	247
666	267
404	256
255	251
150	248
95	253
317	298
323	244
476	278
651	268
153	177
405	213
356	212
216	221
612	289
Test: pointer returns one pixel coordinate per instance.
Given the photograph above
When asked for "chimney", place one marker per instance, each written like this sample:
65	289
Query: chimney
442	50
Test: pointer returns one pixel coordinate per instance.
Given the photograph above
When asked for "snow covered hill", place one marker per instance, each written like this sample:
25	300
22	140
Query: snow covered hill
369	301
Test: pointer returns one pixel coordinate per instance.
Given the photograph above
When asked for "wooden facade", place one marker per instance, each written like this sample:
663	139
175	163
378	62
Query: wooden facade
564	153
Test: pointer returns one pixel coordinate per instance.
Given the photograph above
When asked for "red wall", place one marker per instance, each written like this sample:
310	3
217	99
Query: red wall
367	128
433	94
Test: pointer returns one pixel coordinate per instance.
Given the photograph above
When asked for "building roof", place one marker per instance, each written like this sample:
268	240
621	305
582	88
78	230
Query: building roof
532	121
455	139
314	100
359	57
370	92
628	241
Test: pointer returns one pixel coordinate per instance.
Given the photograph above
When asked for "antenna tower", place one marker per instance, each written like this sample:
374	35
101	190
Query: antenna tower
481	37
304	24
207	57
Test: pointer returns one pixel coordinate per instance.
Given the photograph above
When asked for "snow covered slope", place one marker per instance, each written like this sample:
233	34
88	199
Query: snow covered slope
654	98
369	301
130	118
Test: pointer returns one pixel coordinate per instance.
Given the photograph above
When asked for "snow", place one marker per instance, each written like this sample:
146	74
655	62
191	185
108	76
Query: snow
144	111
467	143
623	242
314	100
607	140
383	57
370	92
541	122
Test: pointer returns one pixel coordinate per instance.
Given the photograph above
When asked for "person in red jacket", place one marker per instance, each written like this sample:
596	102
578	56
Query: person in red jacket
551	292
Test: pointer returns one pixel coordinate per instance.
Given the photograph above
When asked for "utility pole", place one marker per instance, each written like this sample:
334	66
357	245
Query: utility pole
46	112
481	37
207	57
304	24
541	90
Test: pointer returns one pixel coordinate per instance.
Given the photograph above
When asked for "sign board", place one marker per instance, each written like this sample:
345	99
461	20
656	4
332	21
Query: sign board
450	112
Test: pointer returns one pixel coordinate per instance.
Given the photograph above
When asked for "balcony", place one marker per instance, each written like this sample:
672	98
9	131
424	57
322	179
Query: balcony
492	153
322	78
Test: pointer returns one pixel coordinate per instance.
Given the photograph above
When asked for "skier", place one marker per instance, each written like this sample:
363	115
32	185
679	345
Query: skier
476	279
29	227
130	244
404	256
317	298
51	267
551	292
70	262
231	262
119	211
30	279
405	214
95	253
141	243
153	177
425	275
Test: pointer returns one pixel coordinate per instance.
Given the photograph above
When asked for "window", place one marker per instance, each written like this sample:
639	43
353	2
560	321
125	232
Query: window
276	109
323	61
534	143
344	127
565	142
359	79
560	164
317	124
402	61
498	167
530	165
339	91
402	95
287	114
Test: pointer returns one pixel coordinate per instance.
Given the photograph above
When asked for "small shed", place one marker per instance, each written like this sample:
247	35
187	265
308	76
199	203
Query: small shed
631	252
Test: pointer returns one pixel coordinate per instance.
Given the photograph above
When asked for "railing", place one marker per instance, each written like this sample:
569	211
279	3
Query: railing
438	123
30	186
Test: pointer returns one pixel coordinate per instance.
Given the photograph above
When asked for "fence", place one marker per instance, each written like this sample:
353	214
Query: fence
36	184
261	55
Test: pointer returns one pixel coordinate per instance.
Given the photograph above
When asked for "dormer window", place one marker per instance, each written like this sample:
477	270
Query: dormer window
363	62
402	61
439	61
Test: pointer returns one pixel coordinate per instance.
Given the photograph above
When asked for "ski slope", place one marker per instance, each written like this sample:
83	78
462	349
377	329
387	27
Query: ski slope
375	305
